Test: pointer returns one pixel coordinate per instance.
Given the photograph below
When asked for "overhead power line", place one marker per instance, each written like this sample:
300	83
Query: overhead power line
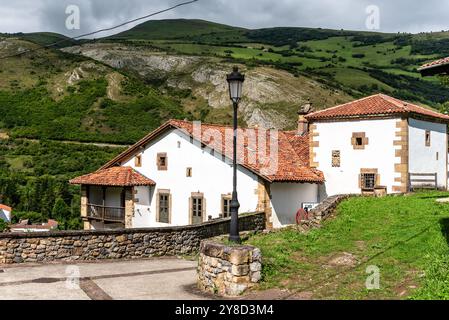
99	31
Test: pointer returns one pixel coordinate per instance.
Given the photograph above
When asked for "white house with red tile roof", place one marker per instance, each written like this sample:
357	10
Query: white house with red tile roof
376	143
5	213
24	226
181	173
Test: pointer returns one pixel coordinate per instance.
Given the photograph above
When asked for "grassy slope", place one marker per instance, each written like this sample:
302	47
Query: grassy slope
406	237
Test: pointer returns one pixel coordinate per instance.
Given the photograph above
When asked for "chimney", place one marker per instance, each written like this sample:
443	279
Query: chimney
303	124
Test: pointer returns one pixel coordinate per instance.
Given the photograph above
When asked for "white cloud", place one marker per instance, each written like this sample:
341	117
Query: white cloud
398	15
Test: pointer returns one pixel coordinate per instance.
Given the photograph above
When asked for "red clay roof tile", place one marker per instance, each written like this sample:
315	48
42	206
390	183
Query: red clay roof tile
5	207
435	63
114	176
292	156
375	105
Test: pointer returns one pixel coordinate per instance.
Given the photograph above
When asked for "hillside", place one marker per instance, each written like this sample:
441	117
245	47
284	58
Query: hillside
54	95
174	29
43	38
50	95
117	89
272	97
358	63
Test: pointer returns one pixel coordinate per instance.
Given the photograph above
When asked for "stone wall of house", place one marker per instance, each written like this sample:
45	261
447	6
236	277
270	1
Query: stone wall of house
116	244
228	270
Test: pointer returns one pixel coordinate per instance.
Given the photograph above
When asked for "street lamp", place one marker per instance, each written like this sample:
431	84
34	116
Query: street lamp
235	81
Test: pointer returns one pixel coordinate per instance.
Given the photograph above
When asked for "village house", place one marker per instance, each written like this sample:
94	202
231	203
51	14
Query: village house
181	173
26	226
5	213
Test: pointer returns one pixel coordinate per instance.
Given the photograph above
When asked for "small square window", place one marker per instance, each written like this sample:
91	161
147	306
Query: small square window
359	140
162	162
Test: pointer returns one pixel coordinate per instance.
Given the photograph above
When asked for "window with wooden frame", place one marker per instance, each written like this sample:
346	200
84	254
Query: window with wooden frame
138	161
359	140
428	138
163	206
336	159
162	162
226	206
189	172
197	208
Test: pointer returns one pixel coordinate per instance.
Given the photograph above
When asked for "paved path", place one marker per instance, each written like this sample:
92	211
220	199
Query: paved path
157	279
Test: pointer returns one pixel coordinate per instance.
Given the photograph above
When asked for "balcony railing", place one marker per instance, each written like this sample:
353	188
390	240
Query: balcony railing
108	214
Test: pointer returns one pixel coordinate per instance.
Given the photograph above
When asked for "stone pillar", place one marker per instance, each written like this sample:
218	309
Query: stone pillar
129	207
303	125
401	141
84	202
228	270
264	202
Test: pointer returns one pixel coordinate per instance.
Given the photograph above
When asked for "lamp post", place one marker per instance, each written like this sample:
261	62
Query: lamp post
235	81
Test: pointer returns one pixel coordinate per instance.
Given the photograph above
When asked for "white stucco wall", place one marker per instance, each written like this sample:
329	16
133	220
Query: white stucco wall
379	153
287	199
211	176
423	159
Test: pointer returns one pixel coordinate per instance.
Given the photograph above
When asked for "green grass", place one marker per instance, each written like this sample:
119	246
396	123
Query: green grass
406	237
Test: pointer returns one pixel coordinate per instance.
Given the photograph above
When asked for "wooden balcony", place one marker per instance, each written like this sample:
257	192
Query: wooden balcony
106	214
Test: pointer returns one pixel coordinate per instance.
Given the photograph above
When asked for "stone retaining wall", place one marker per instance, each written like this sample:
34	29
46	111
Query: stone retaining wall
116	244
228	270
326	208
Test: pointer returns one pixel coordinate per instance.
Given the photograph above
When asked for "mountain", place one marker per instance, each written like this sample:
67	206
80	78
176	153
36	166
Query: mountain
174	29
184	63
193	56
44	38
49	94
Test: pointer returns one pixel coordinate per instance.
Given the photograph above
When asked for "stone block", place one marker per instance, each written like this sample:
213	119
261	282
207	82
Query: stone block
256	277
255	266
238	257
240	270
235	289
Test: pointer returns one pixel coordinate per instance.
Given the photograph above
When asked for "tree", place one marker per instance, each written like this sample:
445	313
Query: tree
3	225
61	212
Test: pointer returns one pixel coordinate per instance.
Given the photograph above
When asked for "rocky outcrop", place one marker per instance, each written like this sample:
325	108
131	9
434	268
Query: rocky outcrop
271	97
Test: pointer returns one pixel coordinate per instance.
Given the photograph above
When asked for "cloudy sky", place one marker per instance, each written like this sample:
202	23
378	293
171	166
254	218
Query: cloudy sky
394	15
